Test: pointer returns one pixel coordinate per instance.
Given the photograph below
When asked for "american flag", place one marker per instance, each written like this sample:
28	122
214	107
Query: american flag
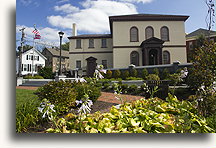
35	31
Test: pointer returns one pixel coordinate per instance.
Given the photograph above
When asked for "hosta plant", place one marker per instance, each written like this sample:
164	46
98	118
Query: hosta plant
142	116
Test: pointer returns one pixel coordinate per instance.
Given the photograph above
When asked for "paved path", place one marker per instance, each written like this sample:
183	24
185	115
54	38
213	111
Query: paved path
104	102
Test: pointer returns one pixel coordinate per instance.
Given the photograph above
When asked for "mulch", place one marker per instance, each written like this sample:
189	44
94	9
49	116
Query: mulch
104	102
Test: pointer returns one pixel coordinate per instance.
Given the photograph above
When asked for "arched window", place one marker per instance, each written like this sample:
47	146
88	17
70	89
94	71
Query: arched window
134	34
134	58
166	57
164	33
149	32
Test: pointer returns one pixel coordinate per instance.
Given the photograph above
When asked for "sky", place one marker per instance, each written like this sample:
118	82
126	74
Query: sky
91	16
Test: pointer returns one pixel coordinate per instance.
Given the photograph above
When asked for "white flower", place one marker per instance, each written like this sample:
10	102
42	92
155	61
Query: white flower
40	109
78	102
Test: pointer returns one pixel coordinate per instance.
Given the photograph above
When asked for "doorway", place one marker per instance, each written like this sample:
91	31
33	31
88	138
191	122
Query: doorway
91	66
153	57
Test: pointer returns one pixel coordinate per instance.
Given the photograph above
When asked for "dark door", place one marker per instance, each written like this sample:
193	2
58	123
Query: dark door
153	57
91	65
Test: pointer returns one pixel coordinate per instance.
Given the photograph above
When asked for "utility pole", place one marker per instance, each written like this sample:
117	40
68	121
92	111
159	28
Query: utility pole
210	16
21	51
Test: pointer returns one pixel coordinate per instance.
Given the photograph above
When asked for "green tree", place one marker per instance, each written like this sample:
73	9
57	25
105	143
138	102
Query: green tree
65	46
203	71
46	72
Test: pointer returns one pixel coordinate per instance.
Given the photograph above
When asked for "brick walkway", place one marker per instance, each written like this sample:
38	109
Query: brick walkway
104	102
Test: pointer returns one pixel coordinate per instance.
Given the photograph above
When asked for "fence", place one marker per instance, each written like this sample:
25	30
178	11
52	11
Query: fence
172	68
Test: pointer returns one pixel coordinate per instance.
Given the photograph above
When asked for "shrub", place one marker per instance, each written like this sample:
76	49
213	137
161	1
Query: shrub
124	88
156	71
117	73
109	74
144	73
134	78
165	74
133	73
132	89
125	74
62	94
174	79
38	77
28	77
153	77
46	72
142	116
84	88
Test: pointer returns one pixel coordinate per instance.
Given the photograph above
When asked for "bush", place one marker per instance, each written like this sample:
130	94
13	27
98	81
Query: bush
174	79
46	72
84	88
134	78
133	73
124	88
117	74
33	77
38	77
62	94
132	89
27	77
108	74
153	77
156	71
125	74
141	116
165	74
144	73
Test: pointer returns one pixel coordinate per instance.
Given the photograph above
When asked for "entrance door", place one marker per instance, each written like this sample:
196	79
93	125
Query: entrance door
153	57
91	66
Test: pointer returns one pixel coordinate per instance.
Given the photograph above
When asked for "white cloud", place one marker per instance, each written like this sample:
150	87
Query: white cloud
137	1
49	36
28	2
93	18
67	8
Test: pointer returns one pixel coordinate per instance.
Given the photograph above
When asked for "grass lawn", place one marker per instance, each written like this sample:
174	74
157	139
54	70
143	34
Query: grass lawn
27	114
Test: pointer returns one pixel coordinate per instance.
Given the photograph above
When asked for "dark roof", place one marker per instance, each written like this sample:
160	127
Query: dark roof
146	17
56	52
87	36
200	31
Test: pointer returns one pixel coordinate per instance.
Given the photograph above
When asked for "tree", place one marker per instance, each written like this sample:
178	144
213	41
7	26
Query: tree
203	71
65	46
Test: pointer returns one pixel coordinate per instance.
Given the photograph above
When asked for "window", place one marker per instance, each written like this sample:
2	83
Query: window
25	67
134	34
164	33
26	57
134	57
104	63
78	64
91	43
166	57
103	43
29	67
149	32
78	43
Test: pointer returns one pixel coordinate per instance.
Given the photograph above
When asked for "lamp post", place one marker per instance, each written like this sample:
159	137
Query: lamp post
60	35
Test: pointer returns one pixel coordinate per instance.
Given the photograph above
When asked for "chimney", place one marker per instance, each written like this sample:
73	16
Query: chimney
74	31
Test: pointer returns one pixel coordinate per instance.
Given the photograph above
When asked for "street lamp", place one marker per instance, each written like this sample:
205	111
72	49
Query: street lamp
60	35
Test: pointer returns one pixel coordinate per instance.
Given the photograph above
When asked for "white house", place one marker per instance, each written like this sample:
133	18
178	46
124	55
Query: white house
29	64
139	39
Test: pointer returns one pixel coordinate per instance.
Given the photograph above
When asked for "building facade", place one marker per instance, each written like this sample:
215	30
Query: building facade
53	60
141	39
32	60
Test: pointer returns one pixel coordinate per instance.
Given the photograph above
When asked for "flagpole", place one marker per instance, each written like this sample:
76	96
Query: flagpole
33	56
